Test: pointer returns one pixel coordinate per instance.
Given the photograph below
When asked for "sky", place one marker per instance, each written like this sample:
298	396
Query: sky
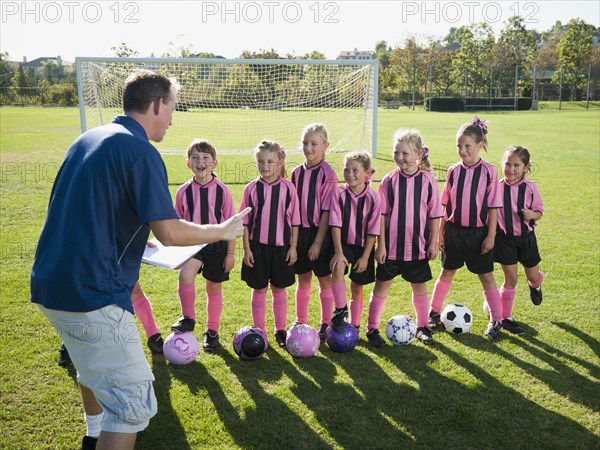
92	28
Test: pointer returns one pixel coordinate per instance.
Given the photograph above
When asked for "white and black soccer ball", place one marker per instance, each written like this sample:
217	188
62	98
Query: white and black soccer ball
457	318
401	330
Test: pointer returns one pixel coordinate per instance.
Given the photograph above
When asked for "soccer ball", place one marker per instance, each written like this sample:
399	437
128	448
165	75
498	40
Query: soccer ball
457	318
181	348
302	341
250	343
400	330
342	341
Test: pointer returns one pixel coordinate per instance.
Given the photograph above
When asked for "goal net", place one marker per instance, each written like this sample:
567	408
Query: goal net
237	103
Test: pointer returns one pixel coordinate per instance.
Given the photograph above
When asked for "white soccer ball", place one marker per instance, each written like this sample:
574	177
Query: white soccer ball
457	318
401	330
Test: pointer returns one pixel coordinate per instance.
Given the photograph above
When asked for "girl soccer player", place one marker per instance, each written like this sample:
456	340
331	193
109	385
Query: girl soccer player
468	229
516	241
355	222
314	180
411	212
204	200
270	237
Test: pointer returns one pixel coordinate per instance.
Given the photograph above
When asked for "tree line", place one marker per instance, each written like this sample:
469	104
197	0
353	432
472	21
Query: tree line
468	62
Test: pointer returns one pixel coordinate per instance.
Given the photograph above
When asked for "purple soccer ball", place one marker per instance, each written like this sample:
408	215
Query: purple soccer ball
181	348
250	343
302	341
342	341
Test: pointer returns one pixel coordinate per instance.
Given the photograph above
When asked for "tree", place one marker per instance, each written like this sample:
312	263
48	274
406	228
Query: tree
470	66
6	72
124	51
409	68
574	52
53	73
382	54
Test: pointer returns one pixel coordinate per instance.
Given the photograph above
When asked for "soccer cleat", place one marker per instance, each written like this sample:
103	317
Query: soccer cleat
280	337
323	331
511	325
493	329
89	443
435	319
424	335
64	359
184	324
339	316
210	341
535	294
155	344
375	338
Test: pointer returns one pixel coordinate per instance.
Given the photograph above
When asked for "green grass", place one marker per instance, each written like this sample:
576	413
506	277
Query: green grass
536	391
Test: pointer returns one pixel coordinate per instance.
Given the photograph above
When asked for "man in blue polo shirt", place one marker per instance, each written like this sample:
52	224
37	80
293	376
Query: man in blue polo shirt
110	191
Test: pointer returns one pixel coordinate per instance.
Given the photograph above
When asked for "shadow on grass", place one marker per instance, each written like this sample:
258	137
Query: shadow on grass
592	343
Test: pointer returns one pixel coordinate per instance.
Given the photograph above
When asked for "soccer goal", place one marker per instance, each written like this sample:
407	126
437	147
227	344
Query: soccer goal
237	103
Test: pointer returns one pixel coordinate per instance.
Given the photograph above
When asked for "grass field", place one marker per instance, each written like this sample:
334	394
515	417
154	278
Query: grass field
541	390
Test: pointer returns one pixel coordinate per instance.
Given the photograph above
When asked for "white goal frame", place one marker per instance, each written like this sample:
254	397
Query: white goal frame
92	114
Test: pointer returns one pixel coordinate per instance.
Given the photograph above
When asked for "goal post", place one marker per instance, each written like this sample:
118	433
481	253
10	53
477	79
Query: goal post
236	103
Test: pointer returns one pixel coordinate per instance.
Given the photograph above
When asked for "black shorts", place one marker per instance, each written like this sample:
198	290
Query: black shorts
213	258
509	250
411	271
269	266
352	254
462	245
320	267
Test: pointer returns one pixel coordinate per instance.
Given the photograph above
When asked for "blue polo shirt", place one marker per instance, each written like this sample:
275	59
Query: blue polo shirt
111	183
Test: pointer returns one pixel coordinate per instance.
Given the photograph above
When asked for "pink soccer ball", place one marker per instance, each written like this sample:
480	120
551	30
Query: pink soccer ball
302	341
181	348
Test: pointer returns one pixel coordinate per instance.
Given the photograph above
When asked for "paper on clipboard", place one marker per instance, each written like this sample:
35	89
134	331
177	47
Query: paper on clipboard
171	257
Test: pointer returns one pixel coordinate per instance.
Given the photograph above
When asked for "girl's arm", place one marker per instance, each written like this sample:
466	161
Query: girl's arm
488	242
248	256
363	262
315	248
338	257
292	254
441	239
528	214
432	248
229	257
381	252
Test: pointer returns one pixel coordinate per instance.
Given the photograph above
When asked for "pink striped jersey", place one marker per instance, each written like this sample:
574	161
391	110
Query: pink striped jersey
274	211
409	202
522	195
209	203
314	186
470	192
358	216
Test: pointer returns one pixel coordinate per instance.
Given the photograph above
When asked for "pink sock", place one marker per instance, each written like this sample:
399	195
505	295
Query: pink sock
214	307
280	309
375	310
507	298
302	301
339	293
187	297
356	309
492	297
538	282
421	305
440	291
259	309
326	297
143	310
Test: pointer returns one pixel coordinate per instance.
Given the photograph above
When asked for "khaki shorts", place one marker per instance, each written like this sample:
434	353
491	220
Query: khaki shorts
106	350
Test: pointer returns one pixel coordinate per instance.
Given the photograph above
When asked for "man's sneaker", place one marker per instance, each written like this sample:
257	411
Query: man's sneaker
210	341
89	443
184	324
280	337
323	331
155	344
424	335
339	316
535	294
375	338
511	325
64	359
435	320
493	329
